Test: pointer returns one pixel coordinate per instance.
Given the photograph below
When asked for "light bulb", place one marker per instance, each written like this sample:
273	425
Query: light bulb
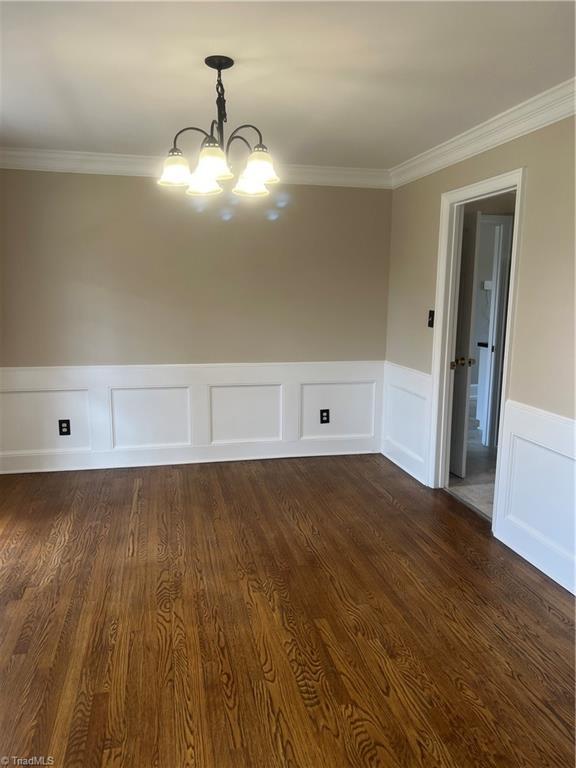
203	185
260	166
176	172
247	186
212	164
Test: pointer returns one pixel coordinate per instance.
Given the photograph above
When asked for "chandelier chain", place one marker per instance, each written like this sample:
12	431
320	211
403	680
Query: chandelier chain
221	101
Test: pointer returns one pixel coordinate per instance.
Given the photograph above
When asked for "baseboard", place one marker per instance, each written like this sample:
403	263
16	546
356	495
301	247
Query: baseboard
65	461
123	416
406	419
534	502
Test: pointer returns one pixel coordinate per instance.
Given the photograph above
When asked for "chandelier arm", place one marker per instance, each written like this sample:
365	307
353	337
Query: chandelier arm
190	128
240	128
239	138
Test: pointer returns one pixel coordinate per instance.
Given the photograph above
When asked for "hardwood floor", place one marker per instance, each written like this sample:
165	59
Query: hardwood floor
312	613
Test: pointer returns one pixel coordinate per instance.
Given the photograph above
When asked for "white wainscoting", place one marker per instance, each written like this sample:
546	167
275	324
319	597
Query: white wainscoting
150	416
246	413
162	414
351	406
406	419
26	422
534	512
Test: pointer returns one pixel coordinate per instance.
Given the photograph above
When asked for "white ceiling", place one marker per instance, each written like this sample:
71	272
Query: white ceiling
365	85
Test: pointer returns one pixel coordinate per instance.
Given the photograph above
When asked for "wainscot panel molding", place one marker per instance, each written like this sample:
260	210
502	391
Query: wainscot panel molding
351	405
406	419
534	510
123	416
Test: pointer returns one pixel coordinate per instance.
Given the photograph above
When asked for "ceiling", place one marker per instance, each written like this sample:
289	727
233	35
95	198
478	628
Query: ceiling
361	85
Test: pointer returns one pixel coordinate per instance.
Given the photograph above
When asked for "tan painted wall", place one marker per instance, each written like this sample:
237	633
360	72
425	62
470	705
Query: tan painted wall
542	371
109	269
99	269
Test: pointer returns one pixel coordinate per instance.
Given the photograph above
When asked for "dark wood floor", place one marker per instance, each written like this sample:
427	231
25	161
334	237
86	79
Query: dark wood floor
320	612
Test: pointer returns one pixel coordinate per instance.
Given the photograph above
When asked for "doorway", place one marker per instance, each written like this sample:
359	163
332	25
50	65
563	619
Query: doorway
486	245
449	300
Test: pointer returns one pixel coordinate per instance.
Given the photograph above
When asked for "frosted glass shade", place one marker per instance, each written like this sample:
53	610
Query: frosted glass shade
212	164
203	185
247	186
176	172
261	168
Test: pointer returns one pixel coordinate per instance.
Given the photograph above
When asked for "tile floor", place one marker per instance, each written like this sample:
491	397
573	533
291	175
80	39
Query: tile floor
477	488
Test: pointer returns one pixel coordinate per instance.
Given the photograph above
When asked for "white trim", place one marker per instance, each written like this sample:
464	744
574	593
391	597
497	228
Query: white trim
448	271
327	383
182	431
319	176
534	509
544	109
144	456
406	419
239	385
8	372
116	444
62	161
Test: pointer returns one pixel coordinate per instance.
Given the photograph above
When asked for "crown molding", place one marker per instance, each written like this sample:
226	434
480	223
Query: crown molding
326	176
142	165
64	161
544	109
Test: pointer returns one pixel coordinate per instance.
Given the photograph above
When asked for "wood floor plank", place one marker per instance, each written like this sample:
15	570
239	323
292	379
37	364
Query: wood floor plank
304	613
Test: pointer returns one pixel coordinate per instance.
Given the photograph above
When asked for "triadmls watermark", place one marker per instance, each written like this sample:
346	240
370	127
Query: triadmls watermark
30	760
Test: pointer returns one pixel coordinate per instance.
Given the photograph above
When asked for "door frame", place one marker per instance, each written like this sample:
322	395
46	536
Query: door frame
446	307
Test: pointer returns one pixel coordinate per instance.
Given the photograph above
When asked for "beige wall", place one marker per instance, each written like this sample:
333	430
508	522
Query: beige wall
542	372
110	269
100	270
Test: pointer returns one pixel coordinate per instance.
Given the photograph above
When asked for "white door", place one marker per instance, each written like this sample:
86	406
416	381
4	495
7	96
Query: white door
464	356
492	272
497	230
482	304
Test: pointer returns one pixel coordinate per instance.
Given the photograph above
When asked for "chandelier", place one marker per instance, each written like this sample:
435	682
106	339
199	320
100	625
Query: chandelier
213	166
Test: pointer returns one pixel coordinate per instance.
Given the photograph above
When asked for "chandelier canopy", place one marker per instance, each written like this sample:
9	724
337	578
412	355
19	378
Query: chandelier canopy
213	167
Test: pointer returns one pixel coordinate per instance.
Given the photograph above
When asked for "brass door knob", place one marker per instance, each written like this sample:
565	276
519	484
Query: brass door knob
459	361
